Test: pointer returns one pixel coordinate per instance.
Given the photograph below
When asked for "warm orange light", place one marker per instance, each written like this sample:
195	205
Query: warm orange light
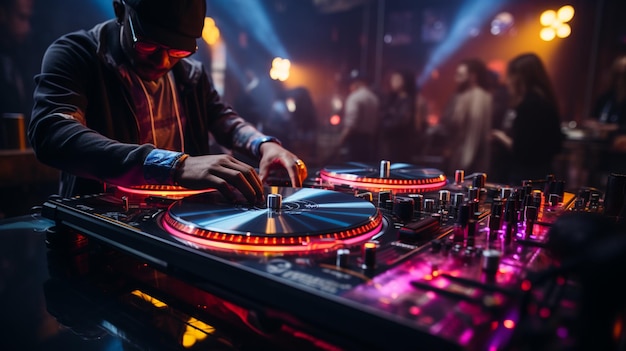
565	13
547	18
210	32
563	30
335	120
554	23
509	324
618	327
280	69
547	34
370	245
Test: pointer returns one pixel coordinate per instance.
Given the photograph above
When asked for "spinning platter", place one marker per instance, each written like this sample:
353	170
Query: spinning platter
397	177
294	220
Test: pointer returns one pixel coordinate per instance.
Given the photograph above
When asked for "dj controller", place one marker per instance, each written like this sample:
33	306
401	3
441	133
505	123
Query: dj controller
362	257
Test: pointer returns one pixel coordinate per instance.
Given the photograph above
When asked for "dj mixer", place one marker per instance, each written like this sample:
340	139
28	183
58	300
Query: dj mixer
362	257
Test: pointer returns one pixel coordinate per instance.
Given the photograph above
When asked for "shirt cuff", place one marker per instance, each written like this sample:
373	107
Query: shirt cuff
256	144
160	165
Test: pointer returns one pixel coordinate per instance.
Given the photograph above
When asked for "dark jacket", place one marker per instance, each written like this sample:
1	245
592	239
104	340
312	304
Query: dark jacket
84	121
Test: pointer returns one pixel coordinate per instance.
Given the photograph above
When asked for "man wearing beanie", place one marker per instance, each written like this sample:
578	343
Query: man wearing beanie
124	104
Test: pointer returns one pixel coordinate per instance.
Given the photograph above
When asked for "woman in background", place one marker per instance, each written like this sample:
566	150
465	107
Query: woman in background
532	131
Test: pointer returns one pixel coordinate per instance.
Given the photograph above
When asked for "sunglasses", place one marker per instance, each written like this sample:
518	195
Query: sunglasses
148	48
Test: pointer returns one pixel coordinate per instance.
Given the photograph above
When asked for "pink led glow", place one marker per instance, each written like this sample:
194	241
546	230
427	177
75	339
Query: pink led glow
466	337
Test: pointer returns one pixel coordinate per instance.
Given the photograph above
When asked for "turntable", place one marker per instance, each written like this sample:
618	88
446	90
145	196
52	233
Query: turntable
396	177
294	220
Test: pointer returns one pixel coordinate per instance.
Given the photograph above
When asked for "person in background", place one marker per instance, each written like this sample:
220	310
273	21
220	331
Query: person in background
397	117
608	117
608	125
499	152
468	119
124	104
532	133
360	122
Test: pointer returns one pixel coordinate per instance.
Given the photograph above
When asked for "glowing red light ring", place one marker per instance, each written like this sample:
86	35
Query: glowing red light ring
167	190
265	243
412	185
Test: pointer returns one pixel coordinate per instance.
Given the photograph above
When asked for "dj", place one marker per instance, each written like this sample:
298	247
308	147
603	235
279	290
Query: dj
123	104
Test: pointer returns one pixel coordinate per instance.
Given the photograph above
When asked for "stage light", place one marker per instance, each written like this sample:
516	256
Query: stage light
547	18
502	23
280	69
565	13
554	23
547	33
335	120
210	33
563	31
471	14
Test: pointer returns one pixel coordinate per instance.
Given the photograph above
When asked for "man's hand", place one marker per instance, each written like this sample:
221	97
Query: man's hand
272	155
222	172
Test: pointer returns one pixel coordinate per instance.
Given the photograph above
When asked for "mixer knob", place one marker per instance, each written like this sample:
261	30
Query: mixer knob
530	217
403	208
383	196
471	232
459	176
369	255
505	193
418	202
554	200
491	260
536	198
479	180
429	205
274	201
385	169
473	193
444	198
342	258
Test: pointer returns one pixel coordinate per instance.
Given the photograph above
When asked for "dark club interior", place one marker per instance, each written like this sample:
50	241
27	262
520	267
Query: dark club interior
429	175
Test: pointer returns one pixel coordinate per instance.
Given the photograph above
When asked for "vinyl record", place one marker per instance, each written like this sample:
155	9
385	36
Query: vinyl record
302	217
401	177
